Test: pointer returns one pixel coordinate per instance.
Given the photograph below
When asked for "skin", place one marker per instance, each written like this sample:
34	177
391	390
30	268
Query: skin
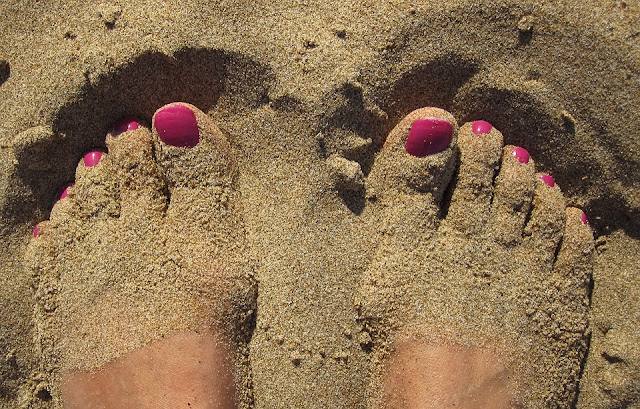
184	370
424	376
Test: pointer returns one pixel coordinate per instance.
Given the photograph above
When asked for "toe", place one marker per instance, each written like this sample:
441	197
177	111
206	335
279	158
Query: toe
40	260
546	224
196	161
191	150
41	246
416	164
569	286
65	209
480	145
512	195
574	263
140	184
96	187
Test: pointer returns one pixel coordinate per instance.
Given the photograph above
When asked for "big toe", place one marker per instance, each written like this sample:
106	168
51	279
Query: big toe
190	148
416	163
196	161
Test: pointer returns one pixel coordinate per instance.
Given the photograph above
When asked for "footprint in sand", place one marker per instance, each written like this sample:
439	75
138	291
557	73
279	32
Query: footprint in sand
144	299
478	294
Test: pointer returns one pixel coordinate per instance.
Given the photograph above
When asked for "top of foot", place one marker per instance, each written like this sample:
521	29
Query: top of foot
497	266
147	243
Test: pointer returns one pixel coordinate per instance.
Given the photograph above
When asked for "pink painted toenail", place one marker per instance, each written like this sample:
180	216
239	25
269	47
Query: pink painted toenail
128	123
584	219
64	192
177	126
92	158
36	231
548	180
521	154
428	136
481	127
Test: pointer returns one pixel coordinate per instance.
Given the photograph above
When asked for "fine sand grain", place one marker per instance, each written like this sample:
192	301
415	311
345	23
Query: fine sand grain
307	93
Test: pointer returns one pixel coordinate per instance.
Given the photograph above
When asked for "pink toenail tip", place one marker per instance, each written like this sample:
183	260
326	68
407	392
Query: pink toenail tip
64	193
428	136
521	154
36	231
92	158
177	126
128	123
584	219
548	180
481	127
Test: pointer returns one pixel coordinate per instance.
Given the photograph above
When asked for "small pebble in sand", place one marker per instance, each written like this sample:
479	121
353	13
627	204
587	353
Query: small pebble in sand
346	173
341	33
109	14
568	121
526	23
296	359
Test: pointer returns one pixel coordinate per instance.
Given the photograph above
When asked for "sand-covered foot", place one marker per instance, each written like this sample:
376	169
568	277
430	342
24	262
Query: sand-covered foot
478	295
143	297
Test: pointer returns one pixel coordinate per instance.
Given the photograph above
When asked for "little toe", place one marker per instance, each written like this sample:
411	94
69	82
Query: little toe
196	161
568	287
40	261
546	225
41	247
65	208
141	187
574	263
480	145
513	193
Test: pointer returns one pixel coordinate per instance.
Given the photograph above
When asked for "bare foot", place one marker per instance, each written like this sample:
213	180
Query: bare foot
143	297
477	298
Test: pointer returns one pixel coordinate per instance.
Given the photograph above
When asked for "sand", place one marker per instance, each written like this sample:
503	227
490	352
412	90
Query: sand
307	93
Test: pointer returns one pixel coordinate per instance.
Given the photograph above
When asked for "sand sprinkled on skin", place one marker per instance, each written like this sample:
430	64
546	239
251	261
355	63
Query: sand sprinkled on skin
306	96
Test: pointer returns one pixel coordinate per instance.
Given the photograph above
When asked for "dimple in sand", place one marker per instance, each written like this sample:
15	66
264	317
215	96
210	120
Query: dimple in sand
477	296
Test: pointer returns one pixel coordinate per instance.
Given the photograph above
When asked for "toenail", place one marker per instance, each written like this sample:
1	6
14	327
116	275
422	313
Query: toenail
128	123
36	231
481	127
428	136
521	154
177	126
548	180
92	158
584	218
64	192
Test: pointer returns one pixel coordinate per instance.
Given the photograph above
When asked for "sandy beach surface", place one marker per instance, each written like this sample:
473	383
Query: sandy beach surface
306	94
